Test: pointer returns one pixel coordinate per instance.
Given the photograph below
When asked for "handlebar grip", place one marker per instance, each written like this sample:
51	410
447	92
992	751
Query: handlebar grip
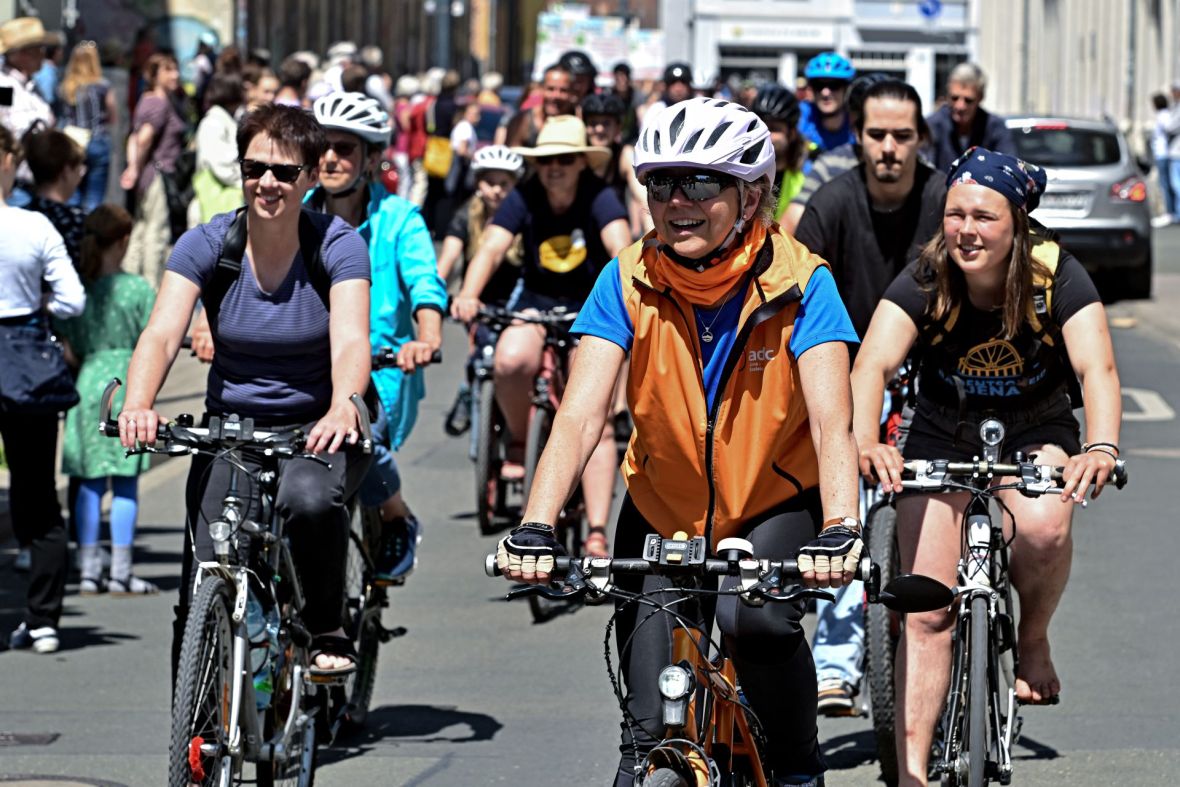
362	411
492	569
106	425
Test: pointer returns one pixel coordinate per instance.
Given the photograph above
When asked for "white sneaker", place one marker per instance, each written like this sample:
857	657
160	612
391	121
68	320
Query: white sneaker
24	559
40	640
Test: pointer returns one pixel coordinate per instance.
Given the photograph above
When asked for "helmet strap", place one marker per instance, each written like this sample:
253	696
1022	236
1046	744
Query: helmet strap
738	225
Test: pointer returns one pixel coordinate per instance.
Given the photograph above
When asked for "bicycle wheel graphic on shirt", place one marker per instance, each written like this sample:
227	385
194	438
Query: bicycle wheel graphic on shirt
996	358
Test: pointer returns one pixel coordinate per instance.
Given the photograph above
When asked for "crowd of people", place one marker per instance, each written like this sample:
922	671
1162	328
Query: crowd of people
829	230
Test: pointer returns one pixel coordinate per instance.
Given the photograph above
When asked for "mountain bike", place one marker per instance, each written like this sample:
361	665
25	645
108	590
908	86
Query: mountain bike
980	724
711	735
221	714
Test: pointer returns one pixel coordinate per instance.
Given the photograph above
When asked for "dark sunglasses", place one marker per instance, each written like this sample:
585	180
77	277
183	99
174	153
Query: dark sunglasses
343	147
284	173
564	159
696	188
818	85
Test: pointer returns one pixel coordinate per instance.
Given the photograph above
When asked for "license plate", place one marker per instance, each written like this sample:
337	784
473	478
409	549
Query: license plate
1065	200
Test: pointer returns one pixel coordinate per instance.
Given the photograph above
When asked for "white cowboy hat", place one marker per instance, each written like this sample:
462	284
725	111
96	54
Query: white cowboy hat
565	134
24	31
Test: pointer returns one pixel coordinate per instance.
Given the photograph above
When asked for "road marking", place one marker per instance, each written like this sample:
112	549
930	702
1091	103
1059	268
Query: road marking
1150	406
1156	453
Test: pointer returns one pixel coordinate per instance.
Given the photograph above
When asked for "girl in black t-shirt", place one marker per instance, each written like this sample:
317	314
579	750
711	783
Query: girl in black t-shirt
973	289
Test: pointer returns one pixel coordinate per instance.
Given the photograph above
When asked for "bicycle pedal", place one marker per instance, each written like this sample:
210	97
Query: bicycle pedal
390	583
329	680
384	634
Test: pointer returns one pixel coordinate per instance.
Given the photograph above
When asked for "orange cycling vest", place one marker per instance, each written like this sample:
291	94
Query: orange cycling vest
707	470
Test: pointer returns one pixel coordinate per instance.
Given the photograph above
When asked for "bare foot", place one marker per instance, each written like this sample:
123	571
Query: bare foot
1037	681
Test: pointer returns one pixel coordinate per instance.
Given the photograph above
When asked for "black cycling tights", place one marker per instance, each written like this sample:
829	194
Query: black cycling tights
767	645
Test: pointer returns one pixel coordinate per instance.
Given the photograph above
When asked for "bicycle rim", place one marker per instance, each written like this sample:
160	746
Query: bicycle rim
488	459
203	692
882	630
977	696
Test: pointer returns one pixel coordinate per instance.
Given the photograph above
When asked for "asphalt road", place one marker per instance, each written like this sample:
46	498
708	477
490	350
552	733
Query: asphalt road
476	694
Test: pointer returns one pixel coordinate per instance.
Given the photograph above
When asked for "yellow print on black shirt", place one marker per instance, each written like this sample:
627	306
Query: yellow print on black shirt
995	368
563	253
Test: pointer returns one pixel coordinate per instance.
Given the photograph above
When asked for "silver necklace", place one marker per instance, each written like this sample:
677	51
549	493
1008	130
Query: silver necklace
707	332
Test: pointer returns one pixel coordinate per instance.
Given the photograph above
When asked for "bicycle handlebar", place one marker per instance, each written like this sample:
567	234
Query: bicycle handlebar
386	357
787	569
934	474
559	317
180	436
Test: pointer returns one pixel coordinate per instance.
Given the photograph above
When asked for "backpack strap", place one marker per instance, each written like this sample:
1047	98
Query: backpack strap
1040	318
233	252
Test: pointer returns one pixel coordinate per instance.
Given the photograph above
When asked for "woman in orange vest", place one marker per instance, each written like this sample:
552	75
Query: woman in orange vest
967	304
738	382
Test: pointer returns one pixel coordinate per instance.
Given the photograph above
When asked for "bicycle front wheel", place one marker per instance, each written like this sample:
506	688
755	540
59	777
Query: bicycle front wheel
489	459
976	750
364	601
882	631
198	751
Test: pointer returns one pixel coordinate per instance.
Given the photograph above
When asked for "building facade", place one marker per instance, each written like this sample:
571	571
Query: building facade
917	41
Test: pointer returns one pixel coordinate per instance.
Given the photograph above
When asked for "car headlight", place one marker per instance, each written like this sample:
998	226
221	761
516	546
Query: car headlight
675	682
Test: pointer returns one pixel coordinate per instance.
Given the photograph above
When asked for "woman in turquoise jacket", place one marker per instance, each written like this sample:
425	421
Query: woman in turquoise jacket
407	301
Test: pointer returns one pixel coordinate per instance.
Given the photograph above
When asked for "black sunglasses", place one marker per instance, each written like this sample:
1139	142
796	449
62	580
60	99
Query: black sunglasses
818	85
564	159
343	147
696	188
284	173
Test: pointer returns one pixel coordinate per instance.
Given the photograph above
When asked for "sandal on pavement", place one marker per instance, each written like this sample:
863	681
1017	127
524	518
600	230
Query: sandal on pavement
131	586
596	544
92	586
331	645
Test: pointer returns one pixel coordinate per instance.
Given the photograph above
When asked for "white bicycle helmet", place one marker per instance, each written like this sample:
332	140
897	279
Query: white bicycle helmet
707	133
355	113
499	157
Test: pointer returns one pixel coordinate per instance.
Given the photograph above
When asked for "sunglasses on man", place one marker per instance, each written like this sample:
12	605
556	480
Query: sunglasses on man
561	159
284	173
698	187
820	85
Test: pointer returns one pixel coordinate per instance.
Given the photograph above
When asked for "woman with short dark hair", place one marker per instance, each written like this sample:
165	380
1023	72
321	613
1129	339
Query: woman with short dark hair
58	165
286	355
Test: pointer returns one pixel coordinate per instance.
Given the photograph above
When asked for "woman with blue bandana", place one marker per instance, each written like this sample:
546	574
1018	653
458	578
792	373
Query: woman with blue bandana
1002	320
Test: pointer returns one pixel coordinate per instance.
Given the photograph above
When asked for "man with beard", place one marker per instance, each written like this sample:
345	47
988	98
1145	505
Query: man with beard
961	123
557	87
868	224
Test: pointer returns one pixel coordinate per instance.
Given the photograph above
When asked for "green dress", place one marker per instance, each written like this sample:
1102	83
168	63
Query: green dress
103	337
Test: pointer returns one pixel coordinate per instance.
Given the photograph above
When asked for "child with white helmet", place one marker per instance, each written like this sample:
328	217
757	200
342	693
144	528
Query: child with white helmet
497	169
736	342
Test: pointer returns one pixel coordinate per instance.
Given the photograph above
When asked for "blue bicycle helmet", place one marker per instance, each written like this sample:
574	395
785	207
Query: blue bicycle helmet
829	65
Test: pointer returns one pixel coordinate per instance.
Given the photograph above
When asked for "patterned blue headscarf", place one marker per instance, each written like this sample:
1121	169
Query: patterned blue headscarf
1021	183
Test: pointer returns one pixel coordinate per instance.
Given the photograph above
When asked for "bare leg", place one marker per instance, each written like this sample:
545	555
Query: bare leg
1041	557
518	358
928	538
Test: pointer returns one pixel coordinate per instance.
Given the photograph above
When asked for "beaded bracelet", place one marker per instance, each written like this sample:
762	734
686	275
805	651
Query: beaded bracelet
1087	446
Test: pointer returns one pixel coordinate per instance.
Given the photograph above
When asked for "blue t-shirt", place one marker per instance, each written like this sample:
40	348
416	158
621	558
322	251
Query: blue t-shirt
821	318
273	359
813	130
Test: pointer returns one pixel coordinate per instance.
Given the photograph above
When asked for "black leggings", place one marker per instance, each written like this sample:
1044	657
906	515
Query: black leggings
766	644
311	501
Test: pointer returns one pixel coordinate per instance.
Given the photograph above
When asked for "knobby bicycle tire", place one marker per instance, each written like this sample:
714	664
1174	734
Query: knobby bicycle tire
204	685
881	636
665	777
977	696
488	461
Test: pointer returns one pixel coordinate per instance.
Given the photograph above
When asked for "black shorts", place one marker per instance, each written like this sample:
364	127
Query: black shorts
932	434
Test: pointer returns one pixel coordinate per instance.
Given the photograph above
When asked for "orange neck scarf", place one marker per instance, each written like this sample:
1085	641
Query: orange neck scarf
710	285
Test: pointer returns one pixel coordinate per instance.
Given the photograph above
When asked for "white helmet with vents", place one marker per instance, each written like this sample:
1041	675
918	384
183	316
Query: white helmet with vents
355	113
499	157
707	133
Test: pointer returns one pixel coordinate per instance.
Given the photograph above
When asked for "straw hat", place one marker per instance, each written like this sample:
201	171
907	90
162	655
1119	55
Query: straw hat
22	32
565	134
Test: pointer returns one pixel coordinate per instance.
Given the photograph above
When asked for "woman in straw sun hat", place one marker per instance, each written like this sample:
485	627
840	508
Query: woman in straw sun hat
572	225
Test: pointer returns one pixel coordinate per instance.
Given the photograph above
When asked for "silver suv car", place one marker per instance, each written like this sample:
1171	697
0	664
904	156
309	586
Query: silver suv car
1096	198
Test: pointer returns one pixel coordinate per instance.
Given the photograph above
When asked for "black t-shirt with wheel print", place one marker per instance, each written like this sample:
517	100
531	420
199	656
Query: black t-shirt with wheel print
996	373
563	253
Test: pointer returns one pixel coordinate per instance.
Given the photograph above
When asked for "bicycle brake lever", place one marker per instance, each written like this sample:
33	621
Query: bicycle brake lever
776	594
548	591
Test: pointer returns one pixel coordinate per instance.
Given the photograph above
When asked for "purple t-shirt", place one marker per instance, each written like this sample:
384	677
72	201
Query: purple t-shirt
168	141
272	358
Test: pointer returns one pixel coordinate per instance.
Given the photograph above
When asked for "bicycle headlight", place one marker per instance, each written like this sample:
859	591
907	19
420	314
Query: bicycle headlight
220	530
991	432
675	682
